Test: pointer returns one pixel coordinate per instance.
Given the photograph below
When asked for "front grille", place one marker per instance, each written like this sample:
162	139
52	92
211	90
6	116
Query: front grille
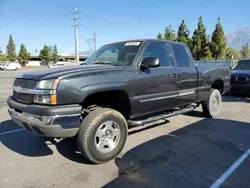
239	79
242	79
24	83
23	97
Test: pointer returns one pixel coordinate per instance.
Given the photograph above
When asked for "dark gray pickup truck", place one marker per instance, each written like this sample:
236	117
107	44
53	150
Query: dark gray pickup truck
122	84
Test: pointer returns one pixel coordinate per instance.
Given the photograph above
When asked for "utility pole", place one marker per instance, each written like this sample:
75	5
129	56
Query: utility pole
91	43
76	35
94	42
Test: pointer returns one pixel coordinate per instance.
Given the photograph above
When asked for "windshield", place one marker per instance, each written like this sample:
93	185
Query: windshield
117	54
242	65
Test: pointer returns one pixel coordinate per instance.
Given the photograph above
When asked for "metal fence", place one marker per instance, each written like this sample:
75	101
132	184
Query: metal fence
223	63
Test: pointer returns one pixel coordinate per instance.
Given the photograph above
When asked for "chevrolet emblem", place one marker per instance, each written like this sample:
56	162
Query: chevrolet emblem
17	89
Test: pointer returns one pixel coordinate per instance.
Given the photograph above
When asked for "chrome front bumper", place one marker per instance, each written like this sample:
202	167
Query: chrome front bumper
63	124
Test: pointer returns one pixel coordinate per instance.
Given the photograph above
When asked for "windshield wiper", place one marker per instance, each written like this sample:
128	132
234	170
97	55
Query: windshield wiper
101	63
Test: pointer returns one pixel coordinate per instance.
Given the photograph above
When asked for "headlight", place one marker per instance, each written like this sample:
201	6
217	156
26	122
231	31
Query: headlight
45	99
47	91
47	84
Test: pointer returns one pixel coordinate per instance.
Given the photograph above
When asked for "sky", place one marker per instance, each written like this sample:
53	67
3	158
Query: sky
39	22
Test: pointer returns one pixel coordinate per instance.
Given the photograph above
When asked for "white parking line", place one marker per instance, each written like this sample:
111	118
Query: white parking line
230	170
13	131
3	104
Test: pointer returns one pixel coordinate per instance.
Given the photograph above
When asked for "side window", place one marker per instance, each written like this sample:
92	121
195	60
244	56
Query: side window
181	55
159	50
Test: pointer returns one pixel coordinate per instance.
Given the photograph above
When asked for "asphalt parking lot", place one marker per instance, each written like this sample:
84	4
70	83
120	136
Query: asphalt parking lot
183	151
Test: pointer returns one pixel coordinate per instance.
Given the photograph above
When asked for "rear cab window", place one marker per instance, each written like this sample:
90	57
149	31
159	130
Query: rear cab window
182	56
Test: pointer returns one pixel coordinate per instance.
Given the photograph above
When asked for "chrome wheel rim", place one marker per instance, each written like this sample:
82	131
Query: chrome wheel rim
215	104
107	137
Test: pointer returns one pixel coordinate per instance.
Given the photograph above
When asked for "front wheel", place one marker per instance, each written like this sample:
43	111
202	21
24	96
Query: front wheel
102	135
212	106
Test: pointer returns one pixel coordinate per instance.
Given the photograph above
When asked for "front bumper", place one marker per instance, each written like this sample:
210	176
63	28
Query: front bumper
50	121
240	88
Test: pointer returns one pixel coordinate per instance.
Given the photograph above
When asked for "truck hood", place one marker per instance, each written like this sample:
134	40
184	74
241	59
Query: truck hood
240	72
63	72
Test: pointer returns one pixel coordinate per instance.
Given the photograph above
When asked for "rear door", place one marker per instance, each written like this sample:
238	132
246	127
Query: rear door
187	74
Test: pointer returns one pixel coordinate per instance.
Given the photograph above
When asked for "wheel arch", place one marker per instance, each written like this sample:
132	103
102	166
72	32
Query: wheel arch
218	84
115	98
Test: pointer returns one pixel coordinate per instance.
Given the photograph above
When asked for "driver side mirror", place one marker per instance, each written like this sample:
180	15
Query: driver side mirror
150	62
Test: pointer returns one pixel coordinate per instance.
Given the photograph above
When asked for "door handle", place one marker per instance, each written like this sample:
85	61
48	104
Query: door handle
173	76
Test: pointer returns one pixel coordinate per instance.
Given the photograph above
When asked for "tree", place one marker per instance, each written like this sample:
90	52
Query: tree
218	43
245	51
55	56
24	56
2	55
200	43
11	50
160	36
183	33
190	42
231	54
206	54
45	55
169	34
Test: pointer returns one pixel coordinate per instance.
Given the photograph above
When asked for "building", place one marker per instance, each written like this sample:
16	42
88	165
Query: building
63	57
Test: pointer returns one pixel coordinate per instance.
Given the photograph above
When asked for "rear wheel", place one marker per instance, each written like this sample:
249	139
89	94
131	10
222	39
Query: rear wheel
102	135
4	69
16	69
212	106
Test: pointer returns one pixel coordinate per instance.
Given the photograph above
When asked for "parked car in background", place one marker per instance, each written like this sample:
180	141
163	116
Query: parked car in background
240	79
58	64
11	66
2	65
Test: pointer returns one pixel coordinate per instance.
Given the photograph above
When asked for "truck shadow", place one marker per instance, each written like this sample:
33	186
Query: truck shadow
196	156
23	142
32	145
68	147
193	156
195	113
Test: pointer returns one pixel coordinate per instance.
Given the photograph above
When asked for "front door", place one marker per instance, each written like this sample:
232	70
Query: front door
158	87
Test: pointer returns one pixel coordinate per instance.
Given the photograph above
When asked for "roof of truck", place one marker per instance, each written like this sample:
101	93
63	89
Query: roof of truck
144	40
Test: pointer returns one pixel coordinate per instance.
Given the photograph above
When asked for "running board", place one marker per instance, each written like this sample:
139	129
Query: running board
162	116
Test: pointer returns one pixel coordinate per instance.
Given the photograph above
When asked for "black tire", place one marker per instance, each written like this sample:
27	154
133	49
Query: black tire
4	69
16	69
86	138
210	108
